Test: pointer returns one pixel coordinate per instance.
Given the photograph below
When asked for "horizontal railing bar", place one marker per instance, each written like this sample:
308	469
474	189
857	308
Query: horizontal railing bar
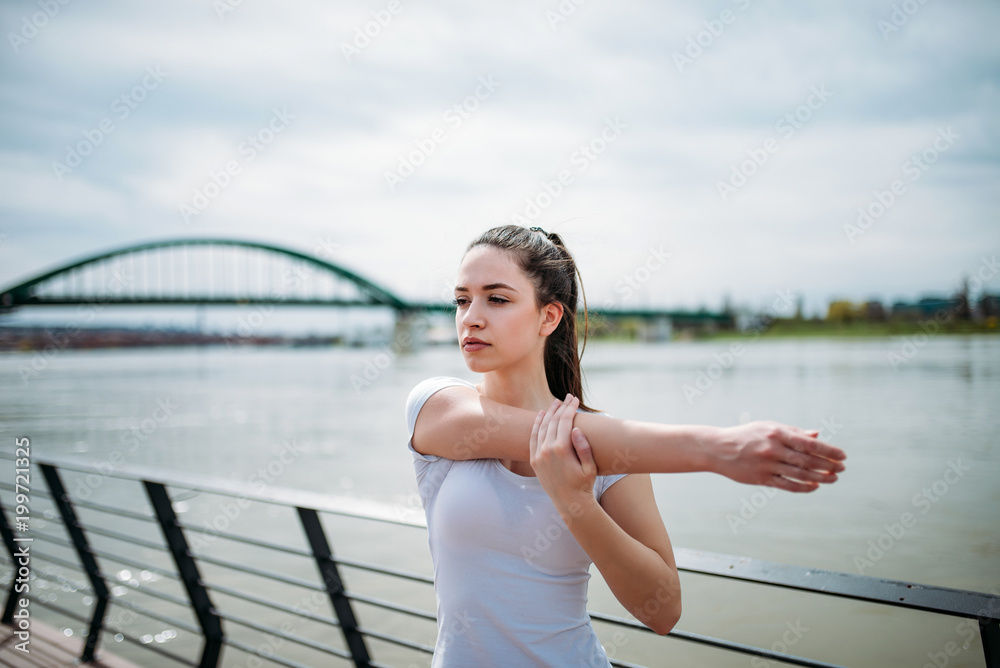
34	492
150	646
191	628
225	487
119	600
715	642
276	605
385	570
865	588
245	539
111	510
61	610
59	561
104	554
928	598
125	538
81	586
163	596
256	652
65	542
270	575
370	600
263	628
402	642
624	664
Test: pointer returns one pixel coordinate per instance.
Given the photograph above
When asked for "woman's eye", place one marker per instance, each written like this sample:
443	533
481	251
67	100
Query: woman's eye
461	301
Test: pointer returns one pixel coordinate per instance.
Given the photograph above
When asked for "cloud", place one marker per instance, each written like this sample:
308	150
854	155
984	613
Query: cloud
687	128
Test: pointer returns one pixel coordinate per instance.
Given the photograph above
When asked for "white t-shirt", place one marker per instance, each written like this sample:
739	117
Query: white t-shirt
509	577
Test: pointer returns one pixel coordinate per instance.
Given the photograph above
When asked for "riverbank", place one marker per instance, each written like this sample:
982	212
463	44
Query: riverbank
786	328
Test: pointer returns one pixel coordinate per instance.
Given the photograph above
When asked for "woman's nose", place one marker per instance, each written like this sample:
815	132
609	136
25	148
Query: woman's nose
473	315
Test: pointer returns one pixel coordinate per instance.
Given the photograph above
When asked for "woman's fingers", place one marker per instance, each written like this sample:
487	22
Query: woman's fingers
566	414
533	441
582	447
543	428
814	446
792	485
795	473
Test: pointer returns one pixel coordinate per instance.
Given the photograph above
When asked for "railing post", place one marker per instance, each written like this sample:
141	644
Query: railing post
330	574
86	558
989	629
8	540
187	568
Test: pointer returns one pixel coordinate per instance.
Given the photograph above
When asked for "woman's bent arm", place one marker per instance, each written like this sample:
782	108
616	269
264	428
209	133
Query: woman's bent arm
459	423
623	534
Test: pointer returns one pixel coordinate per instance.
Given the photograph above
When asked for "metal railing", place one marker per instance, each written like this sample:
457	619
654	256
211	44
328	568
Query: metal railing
211	622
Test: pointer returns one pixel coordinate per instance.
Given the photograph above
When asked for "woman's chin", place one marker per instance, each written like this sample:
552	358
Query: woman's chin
477	365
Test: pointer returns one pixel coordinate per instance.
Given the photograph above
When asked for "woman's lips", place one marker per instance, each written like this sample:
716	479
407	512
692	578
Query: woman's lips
473	346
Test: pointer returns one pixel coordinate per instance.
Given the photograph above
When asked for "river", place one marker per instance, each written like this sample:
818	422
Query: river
919	424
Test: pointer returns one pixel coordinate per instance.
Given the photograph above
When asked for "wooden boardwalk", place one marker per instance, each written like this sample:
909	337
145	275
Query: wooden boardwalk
49	648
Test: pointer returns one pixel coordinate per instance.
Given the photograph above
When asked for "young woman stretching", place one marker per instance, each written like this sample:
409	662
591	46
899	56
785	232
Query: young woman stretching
519	501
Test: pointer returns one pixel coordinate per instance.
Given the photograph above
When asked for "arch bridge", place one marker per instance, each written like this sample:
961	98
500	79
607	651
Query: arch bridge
237	272
202	271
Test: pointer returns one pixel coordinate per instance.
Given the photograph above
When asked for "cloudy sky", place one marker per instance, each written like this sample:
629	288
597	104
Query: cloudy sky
741	137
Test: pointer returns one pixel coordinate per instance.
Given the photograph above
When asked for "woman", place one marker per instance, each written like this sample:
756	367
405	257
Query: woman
519	501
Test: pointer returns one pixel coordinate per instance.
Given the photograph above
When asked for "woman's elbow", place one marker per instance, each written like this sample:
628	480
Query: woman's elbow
662	611
667	620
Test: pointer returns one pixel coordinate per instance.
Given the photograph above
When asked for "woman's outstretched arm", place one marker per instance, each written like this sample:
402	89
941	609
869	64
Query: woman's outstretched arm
457	422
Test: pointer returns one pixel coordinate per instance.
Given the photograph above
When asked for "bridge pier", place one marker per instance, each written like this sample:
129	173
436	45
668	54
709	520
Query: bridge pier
409	330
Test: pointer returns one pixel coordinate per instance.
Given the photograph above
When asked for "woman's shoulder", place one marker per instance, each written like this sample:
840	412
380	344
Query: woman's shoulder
435	383
422	391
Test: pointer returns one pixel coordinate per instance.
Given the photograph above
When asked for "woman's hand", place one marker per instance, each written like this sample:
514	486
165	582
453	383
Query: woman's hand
777	455
561	458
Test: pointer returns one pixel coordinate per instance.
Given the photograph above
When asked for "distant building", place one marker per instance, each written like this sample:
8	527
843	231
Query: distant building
873	311
928	307
988	306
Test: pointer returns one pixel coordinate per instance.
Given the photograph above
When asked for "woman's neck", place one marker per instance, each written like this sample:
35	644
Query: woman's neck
521	388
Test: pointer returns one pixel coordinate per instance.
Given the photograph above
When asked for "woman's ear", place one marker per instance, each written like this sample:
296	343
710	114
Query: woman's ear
551	317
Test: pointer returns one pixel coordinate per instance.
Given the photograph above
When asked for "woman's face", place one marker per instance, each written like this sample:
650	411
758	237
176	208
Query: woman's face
496	305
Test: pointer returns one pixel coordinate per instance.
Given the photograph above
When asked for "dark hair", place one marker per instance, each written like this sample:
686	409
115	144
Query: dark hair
547	263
